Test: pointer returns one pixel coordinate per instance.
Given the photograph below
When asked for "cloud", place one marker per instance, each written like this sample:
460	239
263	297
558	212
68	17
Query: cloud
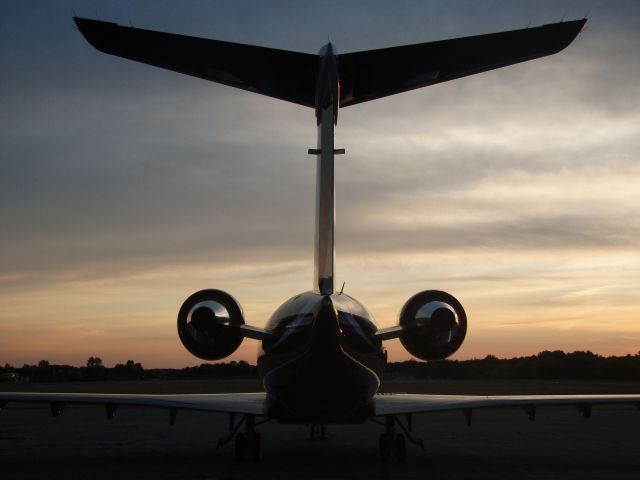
115	173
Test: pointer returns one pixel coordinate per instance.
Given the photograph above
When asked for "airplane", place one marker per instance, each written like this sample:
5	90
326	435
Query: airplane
322	356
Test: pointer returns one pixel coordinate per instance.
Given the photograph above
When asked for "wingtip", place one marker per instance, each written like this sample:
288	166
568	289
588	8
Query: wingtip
94	30
581	26
88	22
82	23
568	31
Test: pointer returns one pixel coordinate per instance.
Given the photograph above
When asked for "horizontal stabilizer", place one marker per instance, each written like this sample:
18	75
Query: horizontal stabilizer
372	74
280	74
364	76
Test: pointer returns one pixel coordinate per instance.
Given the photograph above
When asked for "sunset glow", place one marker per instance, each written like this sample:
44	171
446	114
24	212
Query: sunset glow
125	188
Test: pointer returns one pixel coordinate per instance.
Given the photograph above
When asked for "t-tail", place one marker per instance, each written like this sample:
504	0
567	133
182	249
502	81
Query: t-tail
328	81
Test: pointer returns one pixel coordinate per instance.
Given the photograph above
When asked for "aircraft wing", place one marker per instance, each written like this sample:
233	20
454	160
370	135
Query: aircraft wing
242	403
255	403
276	73
395	404
372	74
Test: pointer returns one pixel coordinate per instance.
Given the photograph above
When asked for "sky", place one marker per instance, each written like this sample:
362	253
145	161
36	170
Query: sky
125	188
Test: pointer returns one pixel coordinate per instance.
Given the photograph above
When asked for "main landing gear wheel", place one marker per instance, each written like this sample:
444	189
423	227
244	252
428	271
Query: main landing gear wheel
248	444
390	442
400	448
397	445
240	446
255	447
385	446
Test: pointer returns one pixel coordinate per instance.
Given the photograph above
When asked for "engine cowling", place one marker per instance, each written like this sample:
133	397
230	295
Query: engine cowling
435	325
208	324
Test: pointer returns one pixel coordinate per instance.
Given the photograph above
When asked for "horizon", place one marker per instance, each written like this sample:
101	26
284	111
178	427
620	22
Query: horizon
126	188
227	361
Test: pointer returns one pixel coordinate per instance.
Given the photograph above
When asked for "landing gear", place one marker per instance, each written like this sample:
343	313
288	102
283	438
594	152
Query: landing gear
240	446
393	444
317	432
400	448
390	442
256	450
247	442
385	444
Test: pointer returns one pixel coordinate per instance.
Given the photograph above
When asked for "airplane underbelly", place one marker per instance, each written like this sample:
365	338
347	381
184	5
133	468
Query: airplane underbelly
309	388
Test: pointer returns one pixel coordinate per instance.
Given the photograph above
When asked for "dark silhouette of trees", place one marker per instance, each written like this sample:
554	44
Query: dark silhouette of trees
94	369
128	371
94	362
545	365
221	370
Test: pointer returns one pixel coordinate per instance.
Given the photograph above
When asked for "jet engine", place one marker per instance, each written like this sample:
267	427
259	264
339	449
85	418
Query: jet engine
434	325
209	324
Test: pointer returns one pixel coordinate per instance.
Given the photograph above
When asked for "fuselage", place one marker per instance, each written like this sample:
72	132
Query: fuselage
322	363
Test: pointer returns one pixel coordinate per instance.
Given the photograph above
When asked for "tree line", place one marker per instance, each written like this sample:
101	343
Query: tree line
44	371
94	369
545	365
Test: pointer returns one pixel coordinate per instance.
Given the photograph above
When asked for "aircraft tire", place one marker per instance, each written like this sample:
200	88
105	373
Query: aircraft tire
400	448
240	446
256	445
385	447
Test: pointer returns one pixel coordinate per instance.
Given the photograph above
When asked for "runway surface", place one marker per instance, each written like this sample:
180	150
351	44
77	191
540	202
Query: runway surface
139	443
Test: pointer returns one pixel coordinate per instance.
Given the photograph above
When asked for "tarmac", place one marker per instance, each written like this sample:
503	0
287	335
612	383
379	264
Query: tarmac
139	443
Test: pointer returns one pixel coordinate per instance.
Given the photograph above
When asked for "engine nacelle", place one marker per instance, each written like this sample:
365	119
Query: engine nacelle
435	325
208	324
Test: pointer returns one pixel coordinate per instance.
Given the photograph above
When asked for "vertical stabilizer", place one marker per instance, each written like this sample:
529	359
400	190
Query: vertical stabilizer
325	206
327	98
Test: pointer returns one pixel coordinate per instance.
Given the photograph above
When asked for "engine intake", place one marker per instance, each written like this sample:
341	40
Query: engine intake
435	325
208	324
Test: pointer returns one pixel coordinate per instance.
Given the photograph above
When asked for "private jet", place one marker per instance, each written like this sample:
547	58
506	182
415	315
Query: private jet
321	356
